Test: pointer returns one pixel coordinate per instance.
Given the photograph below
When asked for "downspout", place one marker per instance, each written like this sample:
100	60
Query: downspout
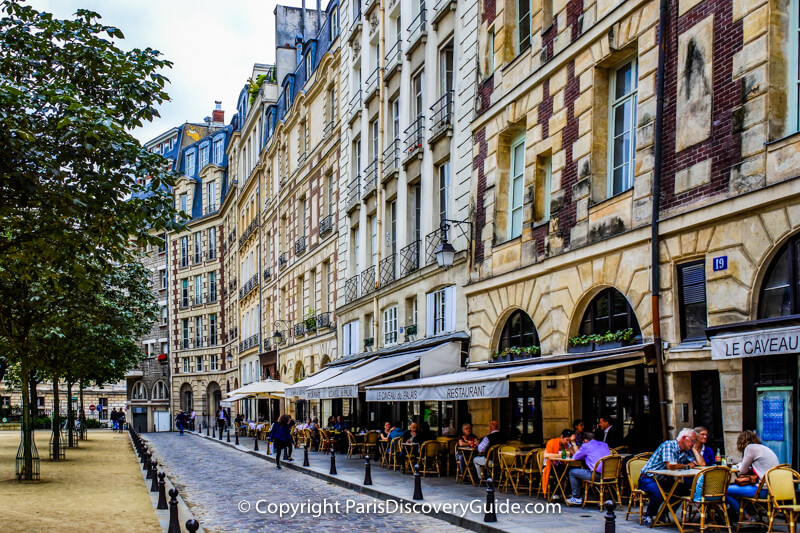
654	240
379	156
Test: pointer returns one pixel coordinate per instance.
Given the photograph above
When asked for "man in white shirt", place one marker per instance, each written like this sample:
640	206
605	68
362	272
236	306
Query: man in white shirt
494	437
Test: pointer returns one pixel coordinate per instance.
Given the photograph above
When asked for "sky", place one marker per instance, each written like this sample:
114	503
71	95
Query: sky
213	45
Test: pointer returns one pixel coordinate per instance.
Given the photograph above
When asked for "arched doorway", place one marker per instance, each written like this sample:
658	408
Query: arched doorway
213	399
187	398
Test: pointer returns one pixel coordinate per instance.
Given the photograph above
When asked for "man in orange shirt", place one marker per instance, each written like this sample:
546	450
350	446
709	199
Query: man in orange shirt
552	454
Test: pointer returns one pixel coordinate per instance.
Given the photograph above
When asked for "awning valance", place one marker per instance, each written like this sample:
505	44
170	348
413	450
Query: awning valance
236	397
484	384
347	384
299	389
268	388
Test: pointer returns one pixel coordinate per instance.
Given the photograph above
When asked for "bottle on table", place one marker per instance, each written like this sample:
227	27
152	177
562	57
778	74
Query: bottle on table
564	453
718	457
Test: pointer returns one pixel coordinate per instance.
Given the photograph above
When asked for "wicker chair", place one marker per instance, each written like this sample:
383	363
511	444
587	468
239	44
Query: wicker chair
634	470
707	499
371	440
448	447
325	440
492	467
760	505
395	453
607	480
781	482
429	458
353	446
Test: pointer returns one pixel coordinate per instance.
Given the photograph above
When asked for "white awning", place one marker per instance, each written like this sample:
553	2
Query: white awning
481	384
299	389
346	384
236	397
268	388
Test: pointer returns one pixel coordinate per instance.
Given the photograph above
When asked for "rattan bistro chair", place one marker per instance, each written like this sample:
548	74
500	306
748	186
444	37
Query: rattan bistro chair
607	480
396	454
371	440
708	499
781	482
760	505
634	470
353	446
429	458
492	467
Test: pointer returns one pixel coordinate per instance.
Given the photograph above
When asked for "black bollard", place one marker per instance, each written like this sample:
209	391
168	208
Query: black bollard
207	433
417	484
367	471
489	514
162	493
305	456
146	467
192	525
229	435
220	433
174	525
611	518
333	471
255	445
237	437
149	466
154	484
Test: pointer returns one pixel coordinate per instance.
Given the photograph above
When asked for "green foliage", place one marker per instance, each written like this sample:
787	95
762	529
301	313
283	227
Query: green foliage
310	321
623	335
253	86
520	352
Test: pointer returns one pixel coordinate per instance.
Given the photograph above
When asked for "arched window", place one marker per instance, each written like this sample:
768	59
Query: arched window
325	360
159	391
518	332
780	294
187	398
609	311
299	372
139	392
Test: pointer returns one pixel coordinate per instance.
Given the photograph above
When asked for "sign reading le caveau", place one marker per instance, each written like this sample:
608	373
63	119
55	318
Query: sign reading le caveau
751	344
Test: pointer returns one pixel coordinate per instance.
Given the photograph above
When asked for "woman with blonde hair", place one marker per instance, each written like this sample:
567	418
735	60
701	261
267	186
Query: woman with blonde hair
756	460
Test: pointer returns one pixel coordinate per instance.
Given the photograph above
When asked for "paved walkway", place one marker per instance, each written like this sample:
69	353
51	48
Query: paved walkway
387	487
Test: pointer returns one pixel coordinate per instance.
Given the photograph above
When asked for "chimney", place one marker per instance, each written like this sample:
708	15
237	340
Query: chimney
218	115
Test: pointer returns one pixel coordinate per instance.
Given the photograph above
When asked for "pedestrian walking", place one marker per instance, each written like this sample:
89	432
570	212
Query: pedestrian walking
180	422
287	451
281	437
191	420
114	419
222	420
121	420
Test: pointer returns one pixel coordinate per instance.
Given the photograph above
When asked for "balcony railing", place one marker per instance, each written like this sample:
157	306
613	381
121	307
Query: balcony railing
394	57
250	285
300	245
351	289
409	259
391	158
299	329
267	273
368	280
415	135
387	269
371	178
372	83
417	28
432	241
328	129
282	260
212	297
353	193
184	261
323	320
442	116
248	232
354	106
250	342
325	225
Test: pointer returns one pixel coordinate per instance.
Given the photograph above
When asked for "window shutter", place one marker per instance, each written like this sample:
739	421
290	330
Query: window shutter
450	308
354	337
429	310
694	286
346	339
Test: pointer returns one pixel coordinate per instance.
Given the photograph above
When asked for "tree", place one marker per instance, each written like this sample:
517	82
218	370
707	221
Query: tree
72	193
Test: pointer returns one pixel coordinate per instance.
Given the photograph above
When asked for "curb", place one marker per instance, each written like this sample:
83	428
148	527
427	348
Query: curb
456	520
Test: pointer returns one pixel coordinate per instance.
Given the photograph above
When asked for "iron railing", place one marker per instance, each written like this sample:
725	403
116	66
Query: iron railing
391	158
417	27
267	273
325	225
371	177
299	329
282	260
351	289
248	232
353	193
372	83
393	56
250	342
432	241
323	320
300	245
368	280
409	259
232	285
442	116
249	286
415	135
355	105
387	269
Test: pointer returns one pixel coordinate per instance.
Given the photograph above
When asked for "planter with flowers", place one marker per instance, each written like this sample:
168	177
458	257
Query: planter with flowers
163	359
600	341
517	353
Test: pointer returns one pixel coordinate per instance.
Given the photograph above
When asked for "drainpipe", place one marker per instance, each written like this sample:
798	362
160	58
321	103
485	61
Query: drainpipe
379	170
654	240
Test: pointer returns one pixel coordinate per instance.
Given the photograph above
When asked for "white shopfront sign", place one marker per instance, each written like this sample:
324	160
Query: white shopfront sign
456	391
756	343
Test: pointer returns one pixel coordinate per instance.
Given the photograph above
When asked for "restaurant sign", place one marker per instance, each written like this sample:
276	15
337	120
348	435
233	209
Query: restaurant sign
441	393
755	343
324	393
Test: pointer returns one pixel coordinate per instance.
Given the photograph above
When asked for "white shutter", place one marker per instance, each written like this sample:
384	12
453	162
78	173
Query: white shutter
354	338
346	339
450	308
429	310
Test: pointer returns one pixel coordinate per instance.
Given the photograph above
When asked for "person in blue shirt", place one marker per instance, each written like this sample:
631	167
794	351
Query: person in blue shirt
702	451
397	431
671	455
591	452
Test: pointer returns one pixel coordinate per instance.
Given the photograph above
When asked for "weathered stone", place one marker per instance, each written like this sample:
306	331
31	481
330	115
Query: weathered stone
695	68
693	177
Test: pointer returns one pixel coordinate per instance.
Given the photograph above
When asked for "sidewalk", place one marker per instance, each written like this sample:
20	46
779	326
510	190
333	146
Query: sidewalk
394	486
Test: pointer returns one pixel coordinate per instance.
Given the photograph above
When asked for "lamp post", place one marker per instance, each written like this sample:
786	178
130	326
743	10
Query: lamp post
445	253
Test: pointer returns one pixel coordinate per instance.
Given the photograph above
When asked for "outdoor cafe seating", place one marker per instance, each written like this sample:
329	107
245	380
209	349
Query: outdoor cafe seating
605	477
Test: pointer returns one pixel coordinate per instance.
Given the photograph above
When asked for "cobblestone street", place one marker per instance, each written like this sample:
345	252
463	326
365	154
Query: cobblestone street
213	479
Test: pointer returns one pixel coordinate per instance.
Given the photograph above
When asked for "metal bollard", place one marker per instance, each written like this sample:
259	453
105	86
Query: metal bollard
367	471
154	484
174	525
255	446
305	456
489	514
237	437
146	467
611	518
417	484
162	493
149	466
333	464
192	525
220	433
207	433
229	435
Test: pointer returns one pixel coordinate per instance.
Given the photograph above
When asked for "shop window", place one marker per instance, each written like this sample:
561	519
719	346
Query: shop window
779	291
609	312
518	332
692	286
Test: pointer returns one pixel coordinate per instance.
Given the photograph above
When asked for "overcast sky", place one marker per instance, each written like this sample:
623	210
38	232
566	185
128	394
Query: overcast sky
213	45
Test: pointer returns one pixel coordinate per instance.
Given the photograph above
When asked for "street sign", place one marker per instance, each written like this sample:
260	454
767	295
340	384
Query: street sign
91	407
720	263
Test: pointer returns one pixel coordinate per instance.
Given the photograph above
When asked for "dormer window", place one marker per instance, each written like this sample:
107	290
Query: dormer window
334	22
189	164
310	49
204	152
219	152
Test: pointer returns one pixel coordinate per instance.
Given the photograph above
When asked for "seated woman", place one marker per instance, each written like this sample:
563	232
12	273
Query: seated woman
756	460
386	431
467	440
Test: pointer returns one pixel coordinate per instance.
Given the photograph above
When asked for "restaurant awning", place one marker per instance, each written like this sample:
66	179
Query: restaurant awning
268	388
299	389
347	384
236	397
490	383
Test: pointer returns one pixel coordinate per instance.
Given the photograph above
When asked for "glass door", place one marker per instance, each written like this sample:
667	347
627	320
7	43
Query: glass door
774	415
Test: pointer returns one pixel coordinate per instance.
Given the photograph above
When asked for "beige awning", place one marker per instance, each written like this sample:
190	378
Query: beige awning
268	388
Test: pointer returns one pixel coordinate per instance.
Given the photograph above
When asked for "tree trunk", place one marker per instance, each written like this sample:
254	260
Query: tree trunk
70	417
33	405
82	414
26	472
56	422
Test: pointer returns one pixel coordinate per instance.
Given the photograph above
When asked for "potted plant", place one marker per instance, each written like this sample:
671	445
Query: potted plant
516	353
613	339
310	322
368	343
411	331
163	359
580	344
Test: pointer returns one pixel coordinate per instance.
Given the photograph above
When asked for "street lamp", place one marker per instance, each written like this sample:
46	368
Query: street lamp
444	252
278	336
229	358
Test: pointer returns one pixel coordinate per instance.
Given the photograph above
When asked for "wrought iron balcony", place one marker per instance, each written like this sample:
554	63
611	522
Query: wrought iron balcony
442	116
353	193
432	241
300	245
299	329
391	159
267	273
250	342
328	129
417	29
368	280
415	136
249	286
409	259
372	84
251	228
351	289
282	260
387	269
325	225
371	178
354	106
232	285
394	59
323	320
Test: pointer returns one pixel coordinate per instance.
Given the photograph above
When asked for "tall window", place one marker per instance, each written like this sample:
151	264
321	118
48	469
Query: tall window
417	100
524	24
490	52
609	311
189	164
793	107
390	326
357	158
374	149
692	285
218	151
518	332
212	243
441	311
185	203
781	286
163	278
516	188
138	392
204	152
332	104
213	363
396	118
185	292
212	330
212	287
186	368
185	335
446	69
444	182
334	23
184	251
544	172
373	240
198	331
622	127
159	391
198	247
350	338
164	316
199	363
198	290
211	194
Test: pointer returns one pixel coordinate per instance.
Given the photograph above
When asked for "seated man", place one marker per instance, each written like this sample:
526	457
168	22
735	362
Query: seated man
397	431
671	455
591	452
493	438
